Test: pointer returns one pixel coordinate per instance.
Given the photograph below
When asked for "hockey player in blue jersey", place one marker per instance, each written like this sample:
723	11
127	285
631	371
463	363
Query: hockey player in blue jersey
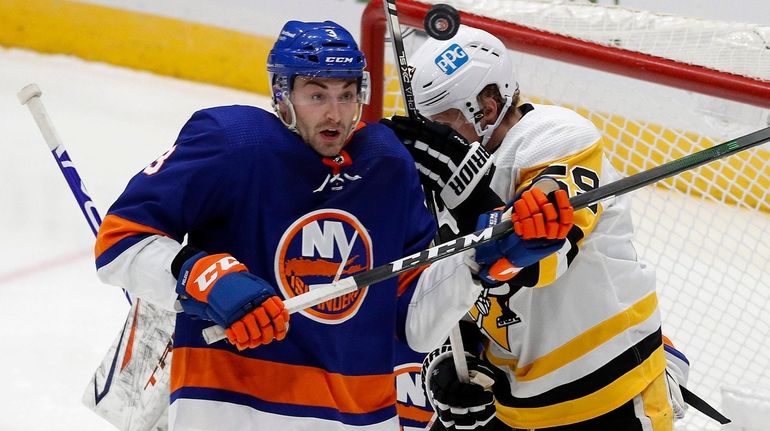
267	207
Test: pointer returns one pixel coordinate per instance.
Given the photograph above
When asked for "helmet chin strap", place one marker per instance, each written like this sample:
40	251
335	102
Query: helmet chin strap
486	134
356	120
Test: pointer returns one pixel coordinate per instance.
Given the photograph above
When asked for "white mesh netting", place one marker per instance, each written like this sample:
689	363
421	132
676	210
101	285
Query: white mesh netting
706	231
726	46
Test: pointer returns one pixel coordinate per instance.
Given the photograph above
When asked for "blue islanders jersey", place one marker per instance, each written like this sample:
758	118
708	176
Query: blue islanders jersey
237	181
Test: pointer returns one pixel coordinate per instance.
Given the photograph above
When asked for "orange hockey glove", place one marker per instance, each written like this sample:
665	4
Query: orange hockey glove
261	325
541	223
537	215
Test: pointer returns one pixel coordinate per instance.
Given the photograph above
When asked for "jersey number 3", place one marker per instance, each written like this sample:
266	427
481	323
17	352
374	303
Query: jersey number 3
155	166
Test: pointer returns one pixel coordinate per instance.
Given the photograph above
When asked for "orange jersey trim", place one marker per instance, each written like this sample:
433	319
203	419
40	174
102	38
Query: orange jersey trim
413	413
115	229
668	342
358	127
280	383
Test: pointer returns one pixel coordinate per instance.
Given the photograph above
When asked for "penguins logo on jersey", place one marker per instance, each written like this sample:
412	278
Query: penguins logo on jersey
494	315
313	250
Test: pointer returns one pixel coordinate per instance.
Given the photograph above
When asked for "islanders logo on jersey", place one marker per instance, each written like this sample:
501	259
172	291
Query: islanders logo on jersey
318	248
414	411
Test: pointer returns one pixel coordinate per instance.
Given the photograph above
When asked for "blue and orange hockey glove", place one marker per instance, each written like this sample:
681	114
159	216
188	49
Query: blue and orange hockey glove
540	222
219	288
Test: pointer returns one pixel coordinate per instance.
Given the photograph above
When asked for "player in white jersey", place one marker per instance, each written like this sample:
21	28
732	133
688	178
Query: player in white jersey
574	340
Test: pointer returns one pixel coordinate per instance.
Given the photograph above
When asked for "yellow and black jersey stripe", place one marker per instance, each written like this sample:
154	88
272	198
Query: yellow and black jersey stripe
592	395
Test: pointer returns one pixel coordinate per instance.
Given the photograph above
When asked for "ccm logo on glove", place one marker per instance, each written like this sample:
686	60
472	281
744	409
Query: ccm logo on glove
223	264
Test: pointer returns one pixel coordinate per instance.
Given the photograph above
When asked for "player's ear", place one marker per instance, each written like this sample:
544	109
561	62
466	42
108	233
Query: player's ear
490	109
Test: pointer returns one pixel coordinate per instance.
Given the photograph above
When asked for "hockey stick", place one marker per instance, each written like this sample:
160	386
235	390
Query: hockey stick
108	379
405	71
30	96
475	239
407	92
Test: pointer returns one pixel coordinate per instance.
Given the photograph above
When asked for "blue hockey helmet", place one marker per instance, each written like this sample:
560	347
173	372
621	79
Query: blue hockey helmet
317	49
314	49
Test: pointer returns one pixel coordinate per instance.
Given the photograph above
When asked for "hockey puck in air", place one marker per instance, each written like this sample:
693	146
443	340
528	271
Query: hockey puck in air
442	21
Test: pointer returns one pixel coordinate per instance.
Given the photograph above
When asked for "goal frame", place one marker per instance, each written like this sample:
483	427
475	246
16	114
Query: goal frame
562	48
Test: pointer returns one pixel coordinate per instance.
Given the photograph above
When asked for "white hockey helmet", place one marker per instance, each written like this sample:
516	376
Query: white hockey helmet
451	74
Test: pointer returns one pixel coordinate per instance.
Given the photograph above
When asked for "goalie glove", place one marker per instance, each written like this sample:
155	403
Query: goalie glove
459	172
459	406
219	288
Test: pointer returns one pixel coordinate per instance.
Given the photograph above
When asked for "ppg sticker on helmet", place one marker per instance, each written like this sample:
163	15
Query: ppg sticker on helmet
451	59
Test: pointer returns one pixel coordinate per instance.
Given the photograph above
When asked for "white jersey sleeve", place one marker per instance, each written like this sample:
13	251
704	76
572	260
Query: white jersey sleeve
444	293
144	270
543	135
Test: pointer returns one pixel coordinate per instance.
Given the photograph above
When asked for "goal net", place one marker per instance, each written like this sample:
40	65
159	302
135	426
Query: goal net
659	87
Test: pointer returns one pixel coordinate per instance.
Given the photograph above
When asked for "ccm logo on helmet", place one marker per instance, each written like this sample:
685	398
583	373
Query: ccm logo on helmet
451	59
339	59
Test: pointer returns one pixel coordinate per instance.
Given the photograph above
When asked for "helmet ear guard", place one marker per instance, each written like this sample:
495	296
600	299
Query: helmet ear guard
365	88
280	86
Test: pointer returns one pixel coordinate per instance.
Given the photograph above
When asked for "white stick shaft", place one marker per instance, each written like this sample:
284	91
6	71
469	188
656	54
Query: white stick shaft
458	354
30	96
